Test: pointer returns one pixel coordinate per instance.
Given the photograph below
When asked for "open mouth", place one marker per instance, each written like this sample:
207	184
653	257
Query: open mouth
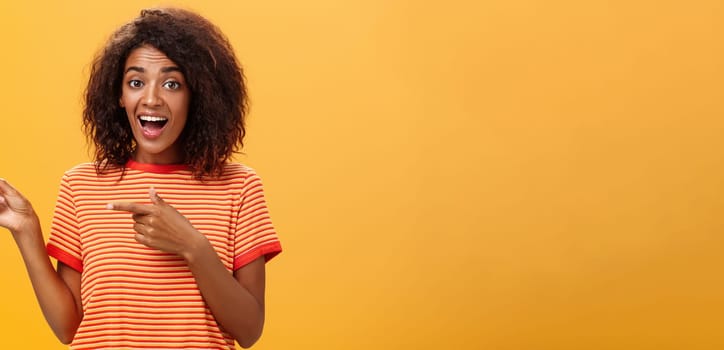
153	122
152	125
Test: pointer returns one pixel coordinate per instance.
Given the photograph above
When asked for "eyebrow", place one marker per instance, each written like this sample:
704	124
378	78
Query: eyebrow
163	70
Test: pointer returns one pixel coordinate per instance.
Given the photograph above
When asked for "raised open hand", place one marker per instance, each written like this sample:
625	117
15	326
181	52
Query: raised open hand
16	212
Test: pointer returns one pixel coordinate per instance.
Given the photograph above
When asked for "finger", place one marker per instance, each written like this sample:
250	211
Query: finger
6	188
155	198
139	228
140	218
130	207
141	239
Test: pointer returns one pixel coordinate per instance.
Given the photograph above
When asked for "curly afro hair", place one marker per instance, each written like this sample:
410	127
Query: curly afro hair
214	128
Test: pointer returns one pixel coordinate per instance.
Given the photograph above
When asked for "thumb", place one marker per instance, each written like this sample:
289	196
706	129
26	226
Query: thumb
155	198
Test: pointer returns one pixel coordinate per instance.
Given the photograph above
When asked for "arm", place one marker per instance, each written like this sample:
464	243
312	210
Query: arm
58	293
236	301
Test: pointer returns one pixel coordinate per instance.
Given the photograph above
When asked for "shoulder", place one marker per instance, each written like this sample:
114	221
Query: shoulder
81	169
87	171
239	176
238	171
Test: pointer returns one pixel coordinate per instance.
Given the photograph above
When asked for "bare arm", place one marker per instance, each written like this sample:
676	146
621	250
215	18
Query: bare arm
58	293
236	300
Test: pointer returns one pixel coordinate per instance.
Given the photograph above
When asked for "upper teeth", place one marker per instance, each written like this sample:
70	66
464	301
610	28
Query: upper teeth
150	118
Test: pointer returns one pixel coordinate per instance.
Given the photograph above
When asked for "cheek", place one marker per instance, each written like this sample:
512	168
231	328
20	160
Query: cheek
126	100
181	108
128	111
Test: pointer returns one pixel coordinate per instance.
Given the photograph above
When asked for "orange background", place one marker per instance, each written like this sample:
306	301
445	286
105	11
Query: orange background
444	175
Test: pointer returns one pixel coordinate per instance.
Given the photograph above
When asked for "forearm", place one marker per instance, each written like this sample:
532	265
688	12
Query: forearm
233	306
56	301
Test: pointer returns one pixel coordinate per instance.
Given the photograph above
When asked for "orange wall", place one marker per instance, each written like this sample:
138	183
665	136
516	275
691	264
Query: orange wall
444	175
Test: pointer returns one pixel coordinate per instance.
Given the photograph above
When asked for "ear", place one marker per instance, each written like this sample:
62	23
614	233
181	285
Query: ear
120	103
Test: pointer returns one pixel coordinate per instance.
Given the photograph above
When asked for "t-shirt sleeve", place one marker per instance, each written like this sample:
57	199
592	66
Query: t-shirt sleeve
254	235
64	241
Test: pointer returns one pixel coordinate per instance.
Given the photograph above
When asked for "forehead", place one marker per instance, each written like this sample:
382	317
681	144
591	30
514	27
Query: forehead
146	55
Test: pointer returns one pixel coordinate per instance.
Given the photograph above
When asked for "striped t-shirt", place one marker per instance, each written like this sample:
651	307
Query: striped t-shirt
134	296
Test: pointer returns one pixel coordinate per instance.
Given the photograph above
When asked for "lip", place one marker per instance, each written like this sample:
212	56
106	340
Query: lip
151	114
147	133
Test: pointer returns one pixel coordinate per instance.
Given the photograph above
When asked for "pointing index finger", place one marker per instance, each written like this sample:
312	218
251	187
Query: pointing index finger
129	207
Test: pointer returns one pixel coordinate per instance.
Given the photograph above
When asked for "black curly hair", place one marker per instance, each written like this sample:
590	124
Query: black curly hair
214	128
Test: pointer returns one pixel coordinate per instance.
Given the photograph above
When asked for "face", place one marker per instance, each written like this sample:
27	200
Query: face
156	99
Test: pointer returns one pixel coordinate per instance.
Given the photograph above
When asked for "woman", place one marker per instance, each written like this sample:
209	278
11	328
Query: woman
162	241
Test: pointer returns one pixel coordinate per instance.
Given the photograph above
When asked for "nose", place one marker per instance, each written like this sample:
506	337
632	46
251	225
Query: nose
151	96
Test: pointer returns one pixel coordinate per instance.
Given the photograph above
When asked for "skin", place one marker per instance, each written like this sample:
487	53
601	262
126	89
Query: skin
58	293
153	85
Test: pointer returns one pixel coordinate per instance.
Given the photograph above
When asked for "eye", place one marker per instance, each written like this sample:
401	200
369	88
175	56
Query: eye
135	83
173	85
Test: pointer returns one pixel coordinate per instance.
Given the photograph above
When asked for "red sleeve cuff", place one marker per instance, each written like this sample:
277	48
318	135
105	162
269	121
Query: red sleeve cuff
268	250
64	257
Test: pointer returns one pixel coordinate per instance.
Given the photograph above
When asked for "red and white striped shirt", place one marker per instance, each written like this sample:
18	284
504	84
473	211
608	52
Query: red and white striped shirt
134	296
